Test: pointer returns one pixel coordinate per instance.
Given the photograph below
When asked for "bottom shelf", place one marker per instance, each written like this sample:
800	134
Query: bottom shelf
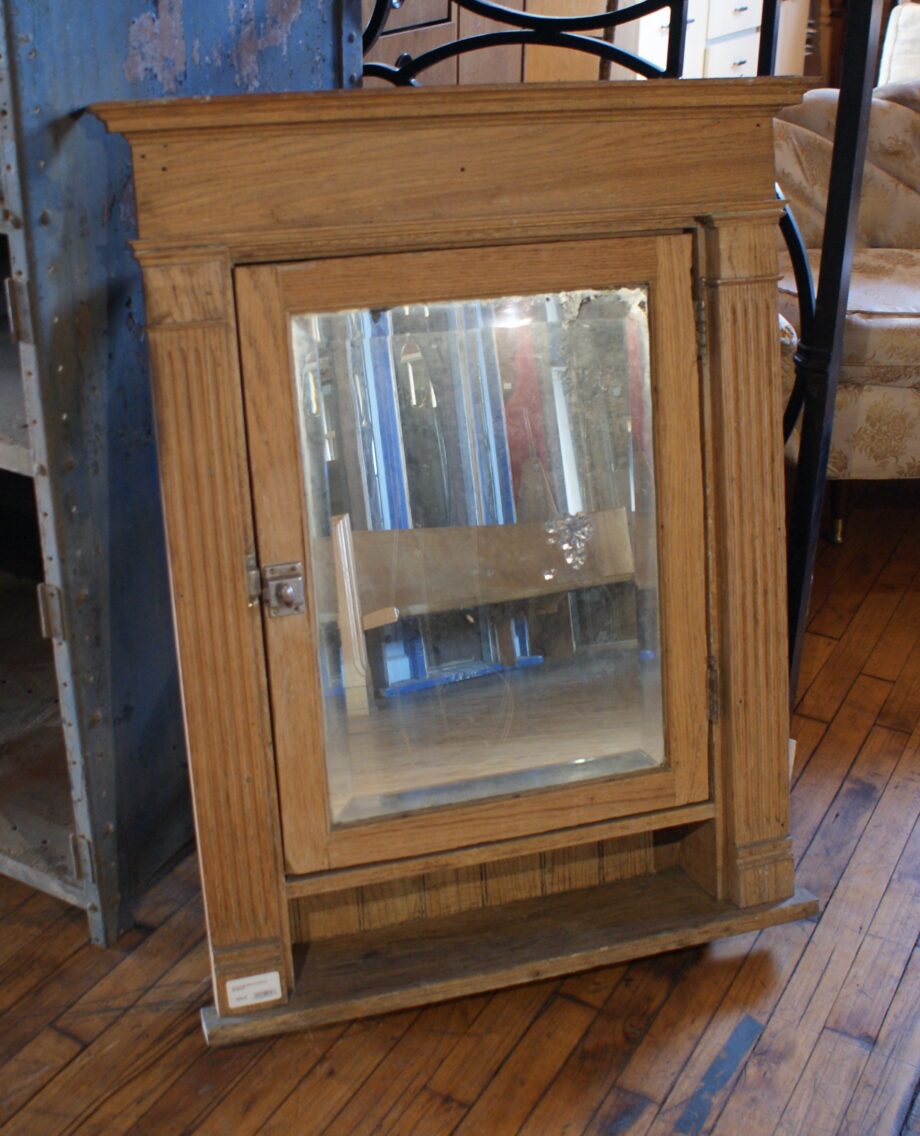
36	815
412	964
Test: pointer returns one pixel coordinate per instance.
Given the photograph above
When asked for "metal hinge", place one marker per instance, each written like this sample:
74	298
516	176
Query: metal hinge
280	587
253	579
17	307
82	861
51	612
712	687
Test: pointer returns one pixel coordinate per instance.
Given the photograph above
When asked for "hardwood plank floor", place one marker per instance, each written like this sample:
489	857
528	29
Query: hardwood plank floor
807	1028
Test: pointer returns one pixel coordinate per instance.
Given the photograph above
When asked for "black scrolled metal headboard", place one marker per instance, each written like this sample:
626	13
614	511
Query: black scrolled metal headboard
527	28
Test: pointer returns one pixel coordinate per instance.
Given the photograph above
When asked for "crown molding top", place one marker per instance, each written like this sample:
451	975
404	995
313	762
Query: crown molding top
341	107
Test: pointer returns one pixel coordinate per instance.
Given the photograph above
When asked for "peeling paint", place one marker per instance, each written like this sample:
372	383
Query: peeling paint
156	46
280	17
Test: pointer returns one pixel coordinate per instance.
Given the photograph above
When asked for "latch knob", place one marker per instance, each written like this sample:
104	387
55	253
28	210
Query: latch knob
283	589
286	594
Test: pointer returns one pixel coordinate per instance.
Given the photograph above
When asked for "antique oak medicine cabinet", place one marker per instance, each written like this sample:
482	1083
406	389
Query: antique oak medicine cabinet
470	451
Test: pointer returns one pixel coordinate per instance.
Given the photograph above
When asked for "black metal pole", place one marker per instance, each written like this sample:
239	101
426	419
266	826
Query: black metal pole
769	35
819	358
677	37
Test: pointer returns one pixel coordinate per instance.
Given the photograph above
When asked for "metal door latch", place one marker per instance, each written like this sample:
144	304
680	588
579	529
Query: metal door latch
283	590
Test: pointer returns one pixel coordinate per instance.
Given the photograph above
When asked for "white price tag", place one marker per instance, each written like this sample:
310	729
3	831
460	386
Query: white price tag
254	989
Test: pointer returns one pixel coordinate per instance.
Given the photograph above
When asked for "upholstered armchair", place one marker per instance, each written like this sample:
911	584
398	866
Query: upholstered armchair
877	421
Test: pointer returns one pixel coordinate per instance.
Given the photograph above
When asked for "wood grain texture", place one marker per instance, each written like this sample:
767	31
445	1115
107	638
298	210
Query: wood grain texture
611	831
839	580
883	1095
554	263
519	1084
389	1091
511	880
677	414
280	522
402	899
903	705
498	64
832	758
859	636
627	133
845	817
531	939
747	493
205	488
594	1063
549	64
899	638
142	117
807	1001
162	1013
452	890
327	1087
700	1048
267	1084
815	651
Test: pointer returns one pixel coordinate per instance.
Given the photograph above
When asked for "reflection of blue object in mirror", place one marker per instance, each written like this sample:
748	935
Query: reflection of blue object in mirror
510	423
398	666
460	674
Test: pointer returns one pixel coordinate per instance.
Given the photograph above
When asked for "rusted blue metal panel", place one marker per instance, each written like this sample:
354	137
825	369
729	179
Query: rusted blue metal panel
87	394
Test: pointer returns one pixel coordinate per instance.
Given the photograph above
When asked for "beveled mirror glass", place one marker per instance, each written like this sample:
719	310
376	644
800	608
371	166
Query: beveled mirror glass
481	507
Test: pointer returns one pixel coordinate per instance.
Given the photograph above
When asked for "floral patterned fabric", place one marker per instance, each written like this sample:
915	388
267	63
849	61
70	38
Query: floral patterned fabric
877	421
889	215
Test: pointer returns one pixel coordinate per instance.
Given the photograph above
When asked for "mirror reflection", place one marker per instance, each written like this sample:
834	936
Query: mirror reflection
480	499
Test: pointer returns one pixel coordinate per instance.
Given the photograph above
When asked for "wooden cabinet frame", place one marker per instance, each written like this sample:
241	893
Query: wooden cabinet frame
249	208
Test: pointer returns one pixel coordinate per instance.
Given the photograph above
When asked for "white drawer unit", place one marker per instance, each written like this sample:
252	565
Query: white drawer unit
729	17
722	38
734	58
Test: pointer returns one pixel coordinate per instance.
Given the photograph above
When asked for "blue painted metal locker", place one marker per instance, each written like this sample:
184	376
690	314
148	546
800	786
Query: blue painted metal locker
93	797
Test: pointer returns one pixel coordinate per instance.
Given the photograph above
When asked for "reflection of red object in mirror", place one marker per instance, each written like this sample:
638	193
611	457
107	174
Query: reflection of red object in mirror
524	411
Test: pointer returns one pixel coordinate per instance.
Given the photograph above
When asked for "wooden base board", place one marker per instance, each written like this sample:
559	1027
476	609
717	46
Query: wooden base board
376	972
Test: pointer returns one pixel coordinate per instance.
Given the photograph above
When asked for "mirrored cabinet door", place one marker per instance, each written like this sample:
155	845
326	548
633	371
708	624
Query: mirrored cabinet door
480	523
